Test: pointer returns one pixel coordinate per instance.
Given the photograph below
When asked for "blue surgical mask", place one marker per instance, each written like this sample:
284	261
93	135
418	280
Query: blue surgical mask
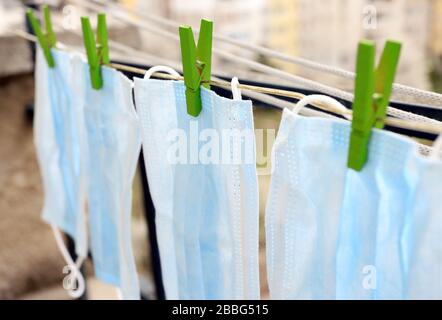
156	121
334	233
206	210
57	124
113	142
423	230
389	239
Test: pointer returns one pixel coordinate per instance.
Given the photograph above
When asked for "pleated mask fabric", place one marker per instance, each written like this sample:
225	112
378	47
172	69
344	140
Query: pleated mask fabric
57	125
334	233
113	139
206	209
303	207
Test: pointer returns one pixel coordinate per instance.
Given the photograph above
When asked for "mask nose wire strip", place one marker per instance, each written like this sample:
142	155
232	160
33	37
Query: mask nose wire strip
75	276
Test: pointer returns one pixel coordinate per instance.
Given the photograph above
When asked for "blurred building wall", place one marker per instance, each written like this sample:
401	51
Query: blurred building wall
281	30
436	33
330	31
238	19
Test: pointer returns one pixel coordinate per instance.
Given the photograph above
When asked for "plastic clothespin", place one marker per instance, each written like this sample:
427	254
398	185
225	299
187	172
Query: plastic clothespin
97	51
372	94
197	63
47	38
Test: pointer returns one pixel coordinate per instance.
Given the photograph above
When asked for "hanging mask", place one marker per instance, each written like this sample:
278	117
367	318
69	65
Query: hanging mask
206	203
57	124
113	148
334	233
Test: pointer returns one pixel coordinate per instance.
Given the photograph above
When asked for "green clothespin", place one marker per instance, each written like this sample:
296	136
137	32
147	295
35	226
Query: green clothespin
47	38
197	63
372	94
97	51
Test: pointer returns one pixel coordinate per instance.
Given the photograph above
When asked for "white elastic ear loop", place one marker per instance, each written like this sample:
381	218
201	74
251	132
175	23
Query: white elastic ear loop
75	276
119	294
320	98
236	91
436	152
166	69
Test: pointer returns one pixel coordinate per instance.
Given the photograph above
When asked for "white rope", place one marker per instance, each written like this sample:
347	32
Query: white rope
261	67
397	88
283	104
265	98
279	103
76	277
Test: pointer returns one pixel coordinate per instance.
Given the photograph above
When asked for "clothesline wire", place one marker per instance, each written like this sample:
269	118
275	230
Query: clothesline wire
404	124
397	88
279	103
399	123
120	15
155	60
256	92
266	98
263	97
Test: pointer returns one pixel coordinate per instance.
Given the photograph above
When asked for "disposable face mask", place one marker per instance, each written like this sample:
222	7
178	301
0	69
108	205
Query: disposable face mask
57	124
303	207
389	241
423	230
334	233
113	147
206	209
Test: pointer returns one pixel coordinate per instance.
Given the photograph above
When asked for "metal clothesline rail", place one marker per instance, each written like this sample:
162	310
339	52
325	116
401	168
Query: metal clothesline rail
395	122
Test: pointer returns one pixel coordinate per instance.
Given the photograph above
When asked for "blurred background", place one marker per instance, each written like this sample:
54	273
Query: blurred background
325	31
